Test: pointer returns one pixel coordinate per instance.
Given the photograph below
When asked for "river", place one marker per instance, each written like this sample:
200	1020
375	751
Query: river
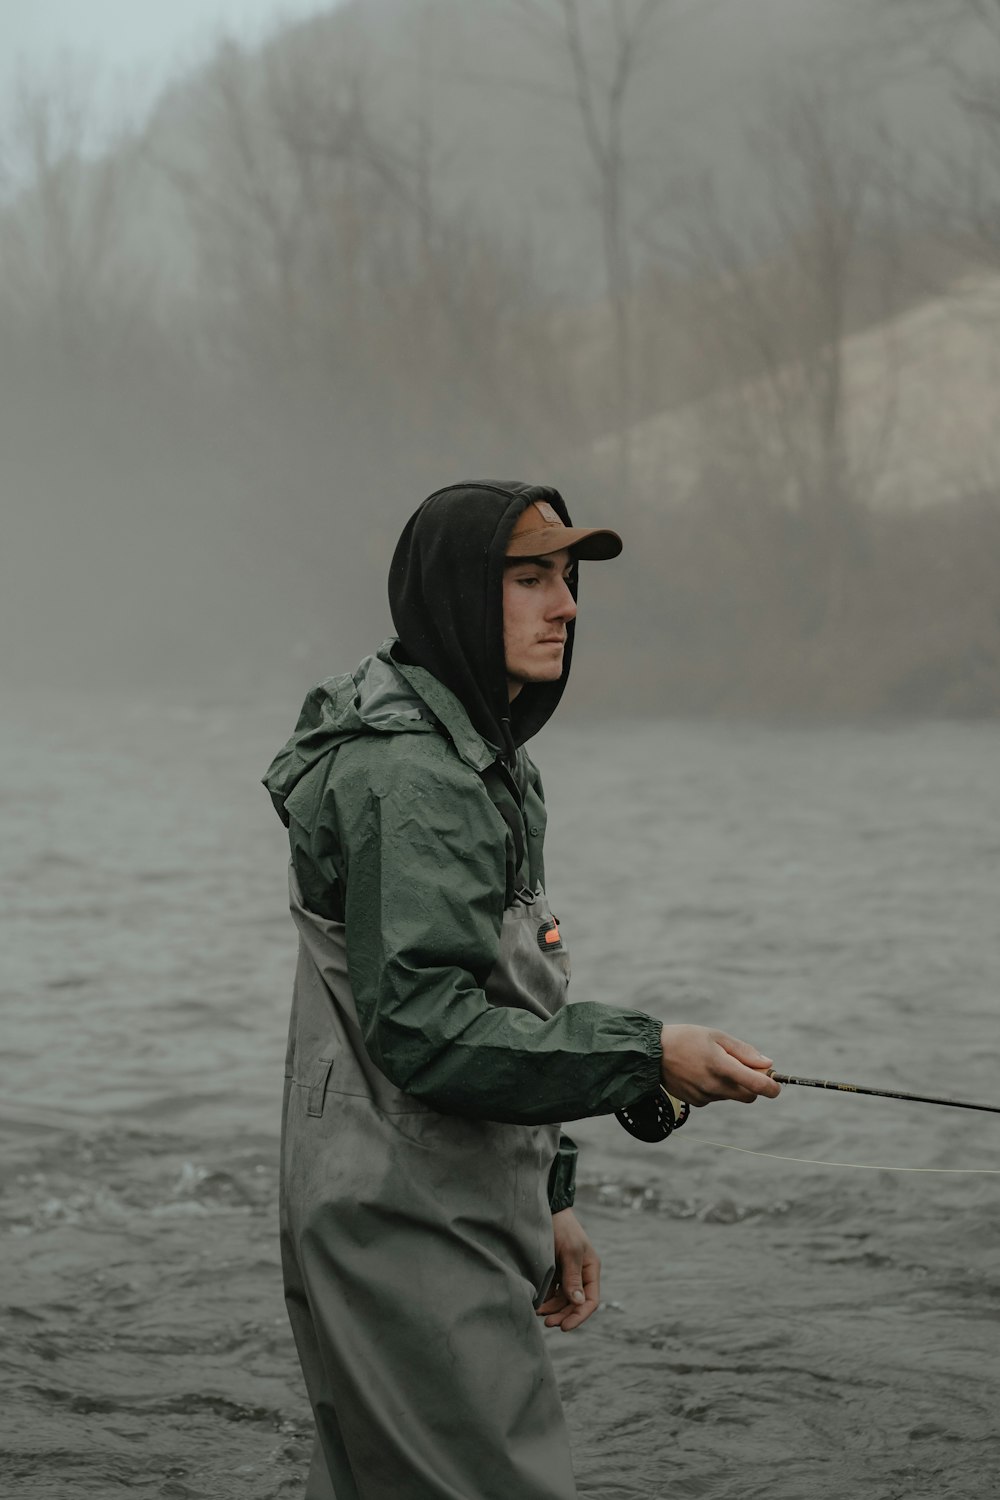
769	1328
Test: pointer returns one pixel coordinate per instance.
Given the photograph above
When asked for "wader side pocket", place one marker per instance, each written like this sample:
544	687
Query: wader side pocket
317	1088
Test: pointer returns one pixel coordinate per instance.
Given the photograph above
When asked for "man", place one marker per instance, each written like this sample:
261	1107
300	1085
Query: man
426	1213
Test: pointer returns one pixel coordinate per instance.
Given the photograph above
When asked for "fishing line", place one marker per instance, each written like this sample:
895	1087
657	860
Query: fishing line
657	1114
862	1166
857	1166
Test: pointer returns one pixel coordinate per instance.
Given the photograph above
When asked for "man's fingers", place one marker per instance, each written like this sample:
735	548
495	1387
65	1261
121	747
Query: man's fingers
571	1255
558	1308
573	1316
735	1082
572	1282
752	1084
580	1314
592	1280
577	1297
559	1319
585	1298
744	1051
745	1069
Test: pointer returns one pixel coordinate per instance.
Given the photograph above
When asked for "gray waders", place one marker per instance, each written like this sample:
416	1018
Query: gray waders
415	1247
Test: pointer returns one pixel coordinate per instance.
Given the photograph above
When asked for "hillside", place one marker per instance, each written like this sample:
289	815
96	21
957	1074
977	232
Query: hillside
921	411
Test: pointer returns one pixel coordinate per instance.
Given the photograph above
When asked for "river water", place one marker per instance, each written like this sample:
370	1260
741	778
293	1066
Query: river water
769	1328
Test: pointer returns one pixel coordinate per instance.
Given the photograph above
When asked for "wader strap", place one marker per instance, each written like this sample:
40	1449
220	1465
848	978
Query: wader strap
498	772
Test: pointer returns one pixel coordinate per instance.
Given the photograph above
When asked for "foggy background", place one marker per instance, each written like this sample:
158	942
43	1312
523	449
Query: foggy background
725	273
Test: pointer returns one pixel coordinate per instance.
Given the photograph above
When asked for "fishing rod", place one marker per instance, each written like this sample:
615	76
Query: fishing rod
856	1088
657	1114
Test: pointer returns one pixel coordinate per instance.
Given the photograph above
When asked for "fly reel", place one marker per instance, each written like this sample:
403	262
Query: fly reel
653	1117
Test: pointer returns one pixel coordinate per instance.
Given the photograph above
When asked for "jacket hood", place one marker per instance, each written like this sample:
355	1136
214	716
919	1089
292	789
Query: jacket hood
381	697
446	598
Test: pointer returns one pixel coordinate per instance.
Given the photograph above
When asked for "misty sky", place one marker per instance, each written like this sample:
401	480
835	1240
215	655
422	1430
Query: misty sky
147	41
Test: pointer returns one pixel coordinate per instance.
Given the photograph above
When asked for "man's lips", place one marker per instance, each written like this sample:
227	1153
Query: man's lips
552	640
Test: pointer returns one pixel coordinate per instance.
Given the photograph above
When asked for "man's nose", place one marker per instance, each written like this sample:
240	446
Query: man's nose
564	605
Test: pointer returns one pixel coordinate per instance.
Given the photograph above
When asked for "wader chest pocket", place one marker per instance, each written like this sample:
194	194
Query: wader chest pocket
317	1086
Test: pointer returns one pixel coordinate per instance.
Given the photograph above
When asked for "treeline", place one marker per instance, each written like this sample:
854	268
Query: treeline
238	346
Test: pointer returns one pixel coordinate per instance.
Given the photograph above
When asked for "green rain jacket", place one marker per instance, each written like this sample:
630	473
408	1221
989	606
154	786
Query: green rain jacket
404	825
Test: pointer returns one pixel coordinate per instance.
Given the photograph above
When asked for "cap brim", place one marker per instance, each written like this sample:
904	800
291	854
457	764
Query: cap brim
596	544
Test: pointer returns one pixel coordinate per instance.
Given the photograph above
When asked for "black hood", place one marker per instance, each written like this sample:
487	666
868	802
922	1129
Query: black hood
446	597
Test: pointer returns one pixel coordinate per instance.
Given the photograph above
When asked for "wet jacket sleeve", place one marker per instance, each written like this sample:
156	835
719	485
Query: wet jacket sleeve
422	852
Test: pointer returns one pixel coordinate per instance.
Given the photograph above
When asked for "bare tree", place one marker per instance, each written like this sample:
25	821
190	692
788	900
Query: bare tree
64	253
785	287
603	45
957	42
334	263
968	51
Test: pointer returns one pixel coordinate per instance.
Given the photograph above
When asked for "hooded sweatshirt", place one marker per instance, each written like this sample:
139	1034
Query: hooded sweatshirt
414	813
446	597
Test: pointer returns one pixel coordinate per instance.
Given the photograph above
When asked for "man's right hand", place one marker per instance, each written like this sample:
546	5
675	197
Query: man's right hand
700	1065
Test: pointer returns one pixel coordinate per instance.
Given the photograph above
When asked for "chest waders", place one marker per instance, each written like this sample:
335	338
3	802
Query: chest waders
415	1247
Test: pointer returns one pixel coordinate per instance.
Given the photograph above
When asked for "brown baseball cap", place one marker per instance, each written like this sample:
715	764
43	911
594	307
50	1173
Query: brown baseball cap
540	529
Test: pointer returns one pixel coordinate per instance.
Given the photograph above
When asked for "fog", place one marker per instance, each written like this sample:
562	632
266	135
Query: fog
399	244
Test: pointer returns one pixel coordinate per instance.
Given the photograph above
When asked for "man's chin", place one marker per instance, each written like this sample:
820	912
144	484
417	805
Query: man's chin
536	675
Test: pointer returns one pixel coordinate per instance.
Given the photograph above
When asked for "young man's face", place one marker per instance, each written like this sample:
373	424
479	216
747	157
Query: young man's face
537	607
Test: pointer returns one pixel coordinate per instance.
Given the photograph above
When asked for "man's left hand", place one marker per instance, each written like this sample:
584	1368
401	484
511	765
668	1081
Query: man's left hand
576	1292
